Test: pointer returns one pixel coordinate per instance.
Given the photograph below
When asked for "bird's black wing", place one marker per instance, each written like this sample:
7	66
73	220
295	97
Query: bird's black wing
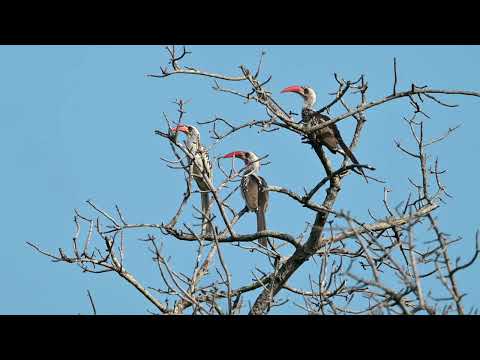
340	141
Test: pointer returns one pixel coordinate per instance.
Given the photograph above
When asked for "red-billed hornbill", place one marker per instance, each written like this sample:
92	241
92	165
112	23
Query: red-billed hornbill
328	136
201	164
253	188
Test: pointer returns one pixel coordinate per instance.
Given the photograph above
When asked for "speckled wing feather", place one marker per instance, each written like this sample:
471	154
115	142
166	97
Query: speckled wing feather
328	136
253	189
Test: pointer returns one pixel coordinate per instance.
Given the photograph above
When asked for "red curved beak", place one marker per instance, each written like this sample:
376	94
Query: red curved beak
234	154
293	88
181	128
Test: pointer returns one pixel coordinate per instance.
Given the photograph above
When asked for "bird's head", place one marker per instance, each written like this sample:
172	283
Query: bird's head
189	130
307	93
249	157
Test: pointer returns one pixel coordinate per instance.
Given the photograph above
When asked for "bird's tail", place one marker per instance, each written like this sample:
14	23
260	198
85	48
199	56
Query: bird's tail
207	227
262	225
352	157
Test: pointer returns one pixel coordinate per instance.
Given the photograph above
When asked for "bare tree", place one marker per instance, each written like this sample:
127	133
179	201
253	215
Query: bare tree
397	263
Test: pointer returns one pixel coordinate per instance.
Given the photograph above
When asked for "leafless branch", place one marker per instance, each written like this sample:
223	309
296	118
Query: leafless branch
385	265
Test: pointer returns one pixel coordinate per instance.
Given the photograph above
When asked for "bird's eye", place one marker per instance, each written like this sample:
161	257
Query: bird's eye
306	91
247	154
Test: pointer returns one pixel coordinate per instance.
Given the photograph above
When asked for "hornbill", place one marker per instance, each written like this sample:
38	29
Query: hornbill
200	165
253	188
328	136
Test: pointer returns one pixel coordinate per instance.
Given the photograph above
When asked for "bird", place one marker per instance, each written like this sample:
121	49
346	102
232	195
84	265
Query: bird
200	164
328	136
253	189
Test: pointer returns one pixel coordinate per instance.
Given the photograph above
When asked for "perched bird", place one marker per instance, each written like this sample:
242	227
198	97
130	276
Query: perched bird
253	188
201	164
328	136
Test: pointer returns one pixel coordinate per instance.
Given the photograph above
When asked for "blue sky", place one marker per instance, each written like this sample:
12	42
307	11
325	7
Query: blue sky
76	123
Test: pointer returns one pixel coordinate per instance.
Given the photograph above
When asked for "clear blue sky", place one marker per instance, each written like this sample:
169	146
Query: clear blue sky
76	123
